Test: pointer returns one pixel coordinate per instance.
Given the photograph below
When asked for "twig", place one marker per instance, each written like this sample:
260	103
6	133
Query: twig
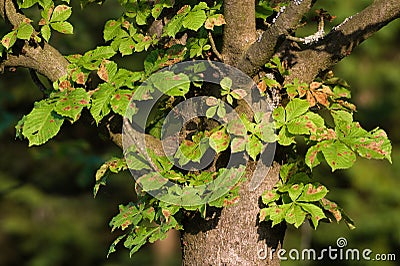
311	38
214	48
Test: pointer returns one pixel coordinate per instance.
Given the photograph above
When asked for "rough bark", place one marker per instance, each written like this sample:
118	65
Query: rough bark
234	236
342	40
261	51
239	31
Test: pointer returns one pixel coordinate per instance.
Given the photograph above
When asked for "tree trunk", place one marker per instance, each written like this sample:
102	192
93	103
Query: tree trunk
234	235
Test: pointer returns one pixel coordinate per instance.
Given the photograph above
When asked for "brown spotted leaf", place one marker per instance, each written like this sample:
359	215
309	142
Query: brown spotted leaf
313	192
219	140
214	20
71	103
316	212
41	124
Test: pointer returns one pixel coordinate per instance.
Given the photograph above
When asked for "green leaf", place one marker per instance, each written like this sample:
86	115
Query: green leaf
127	46
226	84
192	150
120	101
101	52
278	213
61	13
46	32
279	116
101	101
284	137
296	108
316	212
41	124
238	144
9	39
239	94
374	144
269	196
63	27
254	146
313	192
128	215
152	181
114	244
171	84
295	191
71	103
176	23
194	20
221	111
314	156
158	8
107	71
26	3
211	111
337	155
219	140
135	160
341	92
295	215
24	31
264	10
111	29
236	127
265	131
305	124
342	117
114	165
142	14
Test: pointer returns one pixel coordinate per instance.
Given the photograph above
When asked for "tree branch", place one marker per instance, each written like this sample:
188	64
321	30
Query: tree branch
240	29
44	59
342	39
261	51
10	14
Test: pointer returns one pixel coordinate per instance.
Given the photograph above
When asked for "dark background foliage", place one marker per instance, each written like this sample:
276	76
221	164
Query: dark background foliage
48	214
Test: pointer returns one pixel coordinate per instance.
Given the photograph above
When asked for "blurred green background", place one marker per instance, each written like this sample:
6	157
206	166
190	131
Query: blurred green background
48	214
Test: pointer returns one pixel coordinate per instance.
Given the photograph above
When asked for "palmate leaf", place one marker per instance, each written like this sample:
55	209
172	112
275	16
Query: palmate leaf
41	124
219	140
315	212
71	103
295	215
171	84
101	101
24	31
111	29
313	192
194	20
46	32
337	155
120	101
176	23
61	13
63	27
296	108
9	39
158	8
